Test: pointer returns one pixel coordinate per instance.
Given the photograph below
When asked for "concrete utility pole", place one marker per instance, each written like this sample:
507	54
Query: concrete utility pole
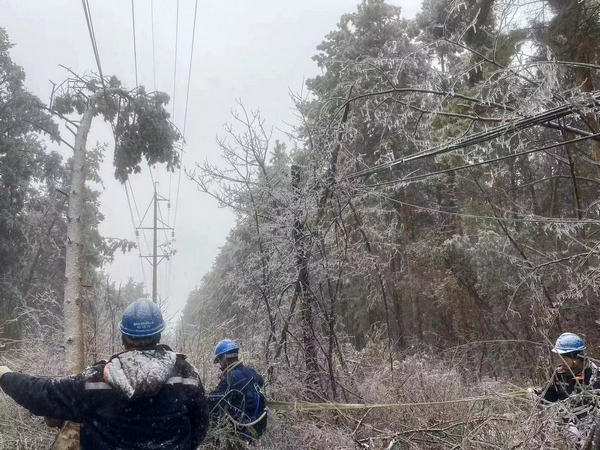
157	224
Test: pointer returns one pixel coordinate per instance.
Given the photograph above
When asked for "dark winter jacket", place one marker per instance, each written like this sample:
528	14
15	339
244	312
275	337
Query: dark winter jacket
563	384
240	393
576	395
140	399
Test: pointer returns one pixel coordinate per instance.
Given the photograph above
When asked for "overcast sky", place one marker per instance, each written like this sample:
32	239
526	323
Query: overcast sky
257	51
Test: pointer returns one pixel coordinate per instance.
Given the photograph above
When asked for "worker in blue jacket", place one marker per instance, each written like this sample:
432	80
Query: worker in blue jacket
147	397
238	397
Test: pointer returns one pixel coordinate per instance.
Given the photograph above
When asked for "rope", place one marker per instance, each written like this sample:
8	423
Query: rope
308	406
249	424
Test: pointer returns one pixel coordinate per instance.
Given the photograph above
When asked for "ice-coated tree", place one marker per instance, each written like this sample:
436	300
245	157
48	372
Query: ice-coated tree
142	130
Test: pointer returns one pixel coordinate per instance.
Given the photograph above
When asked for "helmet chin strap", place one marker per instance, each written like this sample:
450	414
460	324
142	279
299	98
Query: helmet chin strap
228	367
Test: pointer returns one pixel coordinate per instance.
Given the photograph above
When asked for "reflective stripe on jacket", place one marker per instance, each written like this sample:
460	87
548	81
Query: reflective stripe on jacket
173	417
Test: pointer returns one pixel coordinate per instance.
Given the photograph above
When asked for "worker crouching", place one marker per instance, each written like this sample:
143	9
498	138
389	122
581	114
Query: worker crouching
573	388
238	402
574	373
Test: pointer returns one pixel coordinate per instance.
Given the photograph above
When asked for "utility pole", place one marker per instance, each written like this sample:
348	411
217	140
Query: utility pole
157	224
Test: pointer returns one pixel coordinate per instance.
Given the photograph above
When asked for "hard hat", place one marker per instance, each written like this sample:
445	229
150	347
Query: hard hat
225	346
568	343
142	319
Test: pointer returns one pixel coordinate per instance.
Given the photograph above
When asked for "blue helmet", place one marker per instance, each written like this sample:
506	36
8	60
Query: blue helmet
568	343
225	346
142	319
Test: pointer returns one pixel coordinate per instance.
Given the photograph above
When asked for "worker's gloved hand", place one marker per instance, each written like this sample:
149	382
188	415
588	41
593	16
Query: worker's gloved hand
3	370
53	423
532	394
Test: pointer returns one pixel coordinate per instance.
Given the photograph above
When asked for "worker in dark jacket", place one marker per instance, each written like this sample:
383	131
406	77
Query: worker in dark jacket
573	388
574	372
147	397
239	395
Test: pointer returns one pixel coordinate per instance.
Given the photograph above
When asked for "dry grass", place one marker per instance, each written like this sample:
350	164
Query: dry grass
20	430
511	423
516	423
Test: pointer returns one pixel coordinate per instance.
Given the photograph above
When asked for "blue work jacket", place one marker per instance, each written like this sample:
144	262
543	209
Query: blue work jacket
240	393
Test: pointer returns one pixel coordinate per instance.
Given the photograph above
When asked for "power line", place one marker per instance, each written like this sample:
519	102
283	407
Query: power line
134	44
187	98
546	220
169	267
166	285
88	16
90	25
175	64
187	95
489	161
163	222
484	136
153	78
137	84
153	46
138	214
174	98
168	252
137	238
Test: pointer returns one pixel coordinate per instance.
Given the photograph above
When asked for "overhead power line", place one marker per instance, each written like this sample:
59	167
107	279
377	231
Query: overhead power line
137	238
138	215
175	63
153	46
484	136
187	94
174	98
156	168
168	251
480	163
134	44
169	263
187	98
90	25
532	219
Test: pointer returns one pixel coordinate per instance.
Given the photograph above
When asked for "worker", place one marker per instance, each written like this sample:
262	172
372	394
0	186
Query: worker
574	383
238	398
145	397
574	371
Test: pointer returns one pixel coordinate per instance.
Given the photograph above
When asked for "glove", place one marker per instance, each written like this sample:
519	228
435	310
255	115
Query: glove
3	370
54	423
532	394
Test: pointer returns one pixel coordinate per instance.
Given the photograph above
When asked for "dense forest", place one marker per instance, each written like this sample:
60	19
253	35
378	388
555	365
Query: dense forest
441	190
424	233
